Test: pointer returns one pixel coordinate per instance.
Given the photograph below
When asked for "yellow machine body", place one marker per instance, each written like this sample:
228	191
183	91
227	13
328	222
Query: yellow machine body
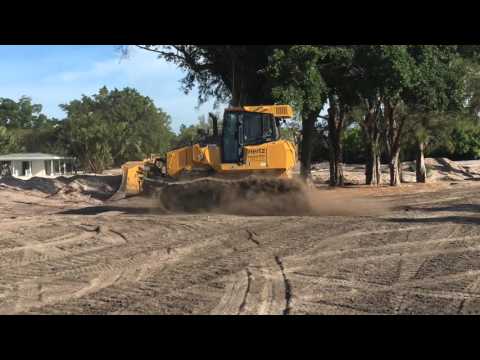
275	158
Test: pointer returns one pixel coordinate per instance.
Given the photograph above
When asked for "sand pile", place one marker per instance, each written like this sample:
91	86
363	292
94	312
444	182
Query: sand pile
88	188
446	169
43	185
438	169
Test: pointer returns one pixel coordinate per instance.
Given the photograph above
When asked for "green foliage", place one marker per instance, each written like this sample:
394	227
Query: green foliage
45	138
439	79
298	81
88	138
29	129
290	130
442	94
382	71
338	70
354	145
461	142
197	133
113	127
8	143
466	141
226	73
22	114
187	136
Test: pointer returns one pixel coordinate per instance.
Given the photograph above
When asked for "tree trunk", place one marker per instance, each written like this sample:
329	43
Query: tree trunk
214	125
371	133
373	171
378	168
331	160
421	170
339	159
368	165
308	127
236	82
395	168
335	133
394	134
336	167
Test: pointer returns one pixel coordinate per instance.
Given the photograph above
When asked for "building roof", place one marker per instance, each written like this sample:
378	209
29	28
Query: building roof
31	156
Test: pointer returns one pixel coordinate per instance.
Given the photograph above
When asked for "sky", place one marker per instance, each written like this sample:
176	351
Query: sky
56	74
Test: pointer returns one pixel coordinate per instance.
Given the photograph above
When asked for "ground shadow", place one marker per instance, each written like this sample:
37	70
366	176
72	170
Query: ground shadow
452	208
443	219
95	210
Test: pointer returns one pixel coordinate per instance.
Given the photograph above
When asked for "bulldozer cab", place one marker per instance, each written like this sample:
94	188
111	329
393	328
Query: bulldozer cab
241	128
248	126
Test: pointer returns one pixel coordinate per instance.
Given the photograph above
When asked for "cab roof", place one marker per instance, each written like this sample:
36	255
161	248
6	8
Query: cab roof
279	111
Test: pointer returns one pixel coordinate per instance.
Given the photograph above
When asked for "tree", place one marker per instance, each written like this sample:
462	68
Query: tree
439	86
297	80
337	69
398	72
366	84
22	114
202	131
116	126
291	130
187	136
44	139
465	140
354	145
32	130
88	139
227	73
309	77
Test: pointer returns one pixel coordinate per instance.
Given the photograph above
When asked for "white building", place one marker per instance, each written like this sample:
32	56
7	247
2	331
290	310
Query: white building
28	165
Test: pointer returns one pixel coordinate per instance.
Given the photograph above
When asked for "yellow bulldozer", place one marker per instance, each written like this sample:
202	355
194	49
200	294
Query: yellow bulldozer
249	145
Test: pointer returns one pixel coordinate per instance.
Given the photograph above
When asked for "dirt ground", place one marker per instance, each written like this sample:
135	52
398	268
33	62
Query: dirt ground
411	250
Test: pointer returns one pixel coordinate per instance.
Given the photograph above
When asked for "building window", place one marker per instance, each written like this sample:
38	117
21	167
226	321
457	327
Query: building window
26	168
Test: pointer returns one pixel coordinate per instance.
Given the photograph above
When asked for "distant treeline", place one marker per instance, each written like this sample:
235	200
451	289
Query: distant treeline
101	131
112	127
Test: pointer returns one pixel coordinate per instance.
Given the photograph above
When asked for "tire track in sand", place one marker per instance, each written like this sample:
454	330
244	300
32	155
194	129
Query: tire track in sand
258	290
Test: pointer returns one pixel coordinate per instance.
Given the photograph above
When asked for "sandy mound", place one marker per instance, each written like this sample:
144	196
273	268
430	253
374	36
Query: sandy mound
76	188
43	185
438	169
446	169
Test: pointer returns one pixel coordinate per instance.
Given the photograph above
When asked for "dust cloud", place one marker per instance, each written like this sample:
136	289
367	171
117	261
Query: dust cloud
264	197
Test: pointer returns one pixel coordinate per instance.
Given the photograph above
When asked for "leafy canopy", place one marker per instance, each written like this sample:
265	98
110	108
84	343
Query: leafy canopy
116	126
